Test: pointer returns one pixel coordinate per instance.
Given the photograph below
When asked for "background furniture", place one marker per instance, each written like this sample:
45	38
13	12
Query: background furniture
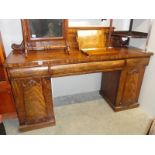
123	70
2	129
6	97
117	37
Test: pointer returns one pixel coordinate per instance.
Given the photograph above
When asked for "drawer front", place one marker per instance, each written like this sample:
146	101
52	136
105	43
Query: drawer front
138	62
28	72
83	68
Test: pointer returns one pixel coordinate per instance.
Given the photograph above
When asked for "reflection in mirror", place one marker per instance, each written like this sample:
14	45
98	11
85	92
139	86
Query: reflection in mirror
45	28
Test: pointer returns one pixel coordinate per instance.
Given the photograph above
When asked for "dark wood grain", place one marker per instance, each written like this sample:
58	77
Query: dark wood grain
123	89
85	68
109	86
33	100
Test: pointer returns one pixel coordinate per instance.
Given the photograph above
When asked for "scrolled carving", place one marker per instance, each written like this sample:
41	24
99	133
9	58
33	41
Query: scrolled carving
20	47
133	71
30	83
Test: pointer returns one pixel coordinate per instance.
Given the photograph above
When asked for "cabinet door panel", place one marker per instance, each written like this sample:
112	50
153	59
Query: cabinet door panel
132	86
35	106
32	103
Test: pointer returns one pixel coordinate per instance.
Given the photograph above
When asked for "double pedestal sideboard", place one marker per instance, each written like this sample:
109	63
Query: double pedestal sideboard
122	76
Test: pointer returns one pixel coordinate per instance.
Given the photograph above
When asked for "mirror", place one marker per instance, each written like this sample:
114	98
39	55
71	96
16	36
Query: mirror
48	34
46	28
43	34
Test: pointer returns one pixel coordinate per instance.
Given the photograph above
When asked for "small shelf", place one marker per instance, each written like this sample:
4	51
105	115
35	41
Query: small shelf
129	34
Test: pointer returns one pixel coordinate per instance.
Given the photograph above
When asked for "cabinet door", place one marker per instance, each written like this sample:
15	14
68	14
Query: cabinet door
130	83
132	86
33	99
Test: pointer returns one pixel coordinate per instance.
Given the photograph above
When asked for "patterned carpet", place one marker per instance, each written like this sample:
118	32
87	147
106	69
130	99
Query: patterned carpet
90	118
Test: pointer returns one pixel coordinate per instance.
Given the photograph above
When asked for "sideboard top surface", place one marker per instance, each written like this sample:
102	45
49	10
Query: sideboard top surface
57	57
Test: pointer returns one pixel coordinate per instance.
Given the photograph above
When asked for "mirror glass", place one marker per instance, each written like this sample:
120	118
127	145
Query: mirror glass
45	28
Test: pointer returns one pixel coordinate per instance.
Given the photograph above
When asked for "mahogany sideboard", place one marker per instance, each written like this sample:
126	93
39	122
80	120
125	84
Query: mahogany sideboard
122	75
31	80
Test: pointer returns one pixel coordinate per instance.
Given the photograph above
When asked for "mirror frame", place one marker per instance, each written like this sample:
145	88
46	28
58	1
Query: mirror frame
26	29
42	44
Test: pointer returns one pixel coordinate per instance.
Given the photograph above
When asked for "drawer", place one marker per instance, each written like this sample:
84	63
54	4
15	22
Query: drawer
138	62
83	68
28	72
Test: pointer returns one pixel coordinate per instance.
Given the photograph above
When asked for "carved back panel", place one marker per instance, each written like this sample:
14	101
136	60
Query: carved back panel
72	35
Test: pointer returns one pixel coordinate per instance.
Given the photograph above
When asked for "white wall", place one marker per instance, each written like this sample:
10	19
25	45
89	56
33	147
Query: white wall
147	95
68	85
11	33
119	24
87	22
141	25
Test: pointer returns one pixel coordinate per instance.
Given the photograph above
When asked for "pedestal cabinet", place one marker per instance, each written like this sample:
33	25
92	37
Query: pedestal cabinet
33	97
121	88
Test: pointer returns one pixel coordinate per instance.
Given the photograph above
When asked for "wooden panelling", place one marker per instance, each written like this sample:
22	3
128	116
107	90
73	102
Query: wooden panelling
19	100
91	39
35	106
72	34
122	92
132	86
109	86
33	101
47	93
